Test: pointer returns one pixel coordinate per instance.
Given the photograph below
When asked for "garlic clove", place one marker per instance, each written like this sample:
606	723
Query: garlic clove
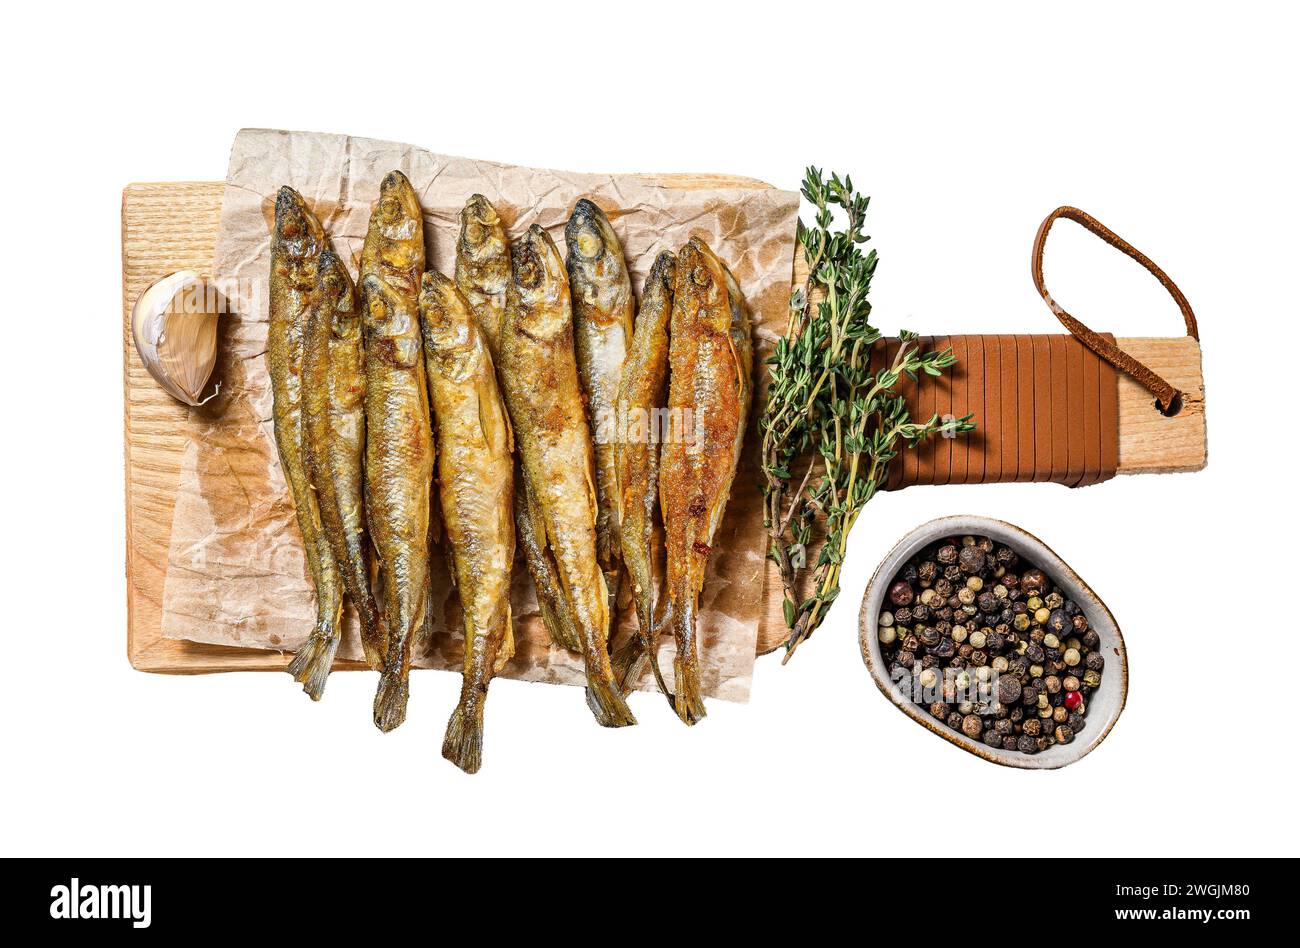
174	324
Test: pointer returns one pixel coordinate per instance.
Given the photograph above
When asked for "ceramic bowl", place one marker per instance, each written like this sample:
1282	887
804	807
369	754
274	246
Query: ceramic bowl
1104	705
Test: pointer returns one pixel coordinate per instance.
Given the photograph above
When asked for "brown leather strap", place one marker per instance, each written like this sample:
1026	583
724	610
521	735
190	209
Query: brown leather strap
1168	398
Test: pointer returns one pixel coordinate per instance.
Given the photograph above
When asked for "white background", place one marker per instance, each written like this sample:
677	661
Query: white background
1174	124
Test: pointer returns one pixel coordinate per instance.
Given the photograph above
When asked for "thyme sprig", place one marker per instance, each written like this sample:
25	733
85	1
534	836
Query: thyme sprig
826	412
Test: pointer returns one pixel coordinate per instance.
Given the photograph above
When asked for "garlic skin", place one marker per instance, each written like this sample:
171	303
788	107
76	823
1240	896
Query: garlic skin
174	324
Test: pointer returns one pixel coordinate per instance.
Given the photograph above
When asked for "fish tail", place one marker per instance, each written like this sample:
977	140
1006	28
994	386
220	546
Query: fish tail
626	662
312	663
686	700
606	701
463	745
390	700
561	631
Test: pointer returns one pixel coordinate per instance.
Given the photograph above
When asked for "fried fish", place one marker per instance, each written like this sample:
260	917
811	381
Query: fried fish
296	247
602	325
707	391
399	442
539	377
476	471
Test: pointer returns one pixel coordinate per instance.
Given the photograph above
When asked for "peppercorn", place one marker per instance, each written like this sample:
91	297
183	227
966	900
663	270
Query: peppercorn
1080	623
1070	683
966	595
1059	622
959	633
1076	722
999	664
946	555
1073	700
1072	657
1035	653
1090	640
900	594
1020	623
988	603
1005	556
1042	614
903	616
939	710
1029	695
978	638
943	588
971	559
954	720
920	613
971	725
975	583
991	738
979	657
952	573
1033	727
1008	689
1034	579
1060	715
1092	678
943	648
927	571
1063	734
1033	604
906	659
1094	661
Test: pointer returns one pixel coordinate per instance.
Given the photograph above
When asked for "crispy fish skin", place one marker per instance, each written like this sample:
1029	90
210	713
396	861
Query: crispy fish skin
540	379
334	385
641	393
482	276
296	247
476	481
695	473
602	325
399	441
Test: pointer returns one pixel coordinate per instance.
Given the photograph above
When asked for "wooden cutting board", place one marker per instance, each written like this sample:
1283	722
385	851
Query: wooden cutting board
173	226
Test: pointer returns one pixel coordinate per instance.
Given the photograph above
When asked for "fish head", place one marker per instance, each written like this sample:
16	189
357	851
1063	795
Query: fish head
595	255
662	274
297	232
538	282
482	233
444	315
395	240
334	287
701	287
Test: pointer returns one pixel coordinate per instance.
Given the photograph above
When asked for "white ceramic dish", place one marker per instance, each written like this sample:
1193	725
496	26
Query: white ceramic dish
1104	705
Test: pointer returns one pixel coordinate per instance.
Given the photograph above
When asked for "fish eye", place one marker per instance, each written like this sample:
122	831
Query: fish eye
589	245
474	232
701	276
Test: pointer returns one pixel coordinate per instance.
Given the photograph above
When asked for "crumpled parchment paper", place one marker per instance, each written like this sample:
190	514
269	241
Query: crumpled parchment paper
236	573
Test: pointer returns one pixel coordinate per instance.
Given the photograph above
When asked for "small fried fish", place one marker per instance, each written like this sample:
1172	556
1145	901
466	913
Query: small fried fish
399	441
296	247
476	473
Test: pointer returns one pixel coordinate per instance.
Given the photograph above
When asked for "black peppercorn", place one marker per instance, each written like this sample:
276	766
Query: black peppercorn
1063	734
1035	653
939	710
929	636
1029	695
1058	622
900	594
1071	608
1034	579
943	648
1094	661
947	555
927	571
992	738
971	559
954	720
1008	689
987	602
1033	727
1075	721
1090	639
1026	744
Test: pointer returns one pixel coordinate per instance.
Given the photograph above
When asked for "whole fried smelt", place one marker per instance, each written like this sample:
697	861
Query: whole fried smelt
483	265
296	247
742	340
399	442
641	398
602	327
476	473
334	386
706	392
540	379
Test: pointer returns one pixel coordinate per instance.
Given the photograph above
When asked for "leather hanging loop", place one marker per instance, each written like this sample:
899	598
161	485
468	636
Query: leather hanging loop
1168	399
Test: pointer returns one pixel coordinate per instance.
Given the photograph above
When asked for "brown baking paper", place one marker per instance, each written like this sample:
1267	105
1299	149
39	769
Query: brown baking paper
236	570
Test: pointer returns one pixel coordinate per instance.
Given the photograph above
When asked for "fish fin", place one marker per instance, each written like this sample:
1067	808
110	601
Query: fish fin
561	632
607	703
312	663
626	662
463	745
390	701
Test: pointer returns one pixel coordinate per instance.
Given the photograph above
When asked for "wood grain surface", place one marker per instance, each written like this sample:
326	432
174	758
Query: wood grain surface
173	226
